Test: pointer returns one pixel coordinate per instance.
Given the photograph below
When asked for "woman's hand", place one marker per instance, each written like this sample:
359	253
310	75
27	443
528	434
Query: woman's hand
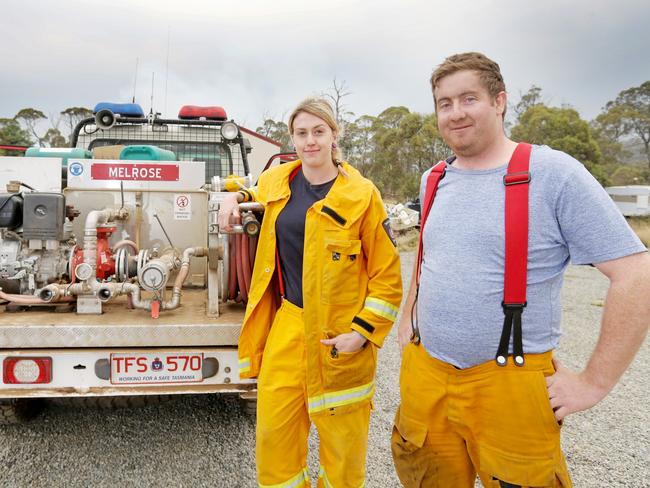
348	342
228	207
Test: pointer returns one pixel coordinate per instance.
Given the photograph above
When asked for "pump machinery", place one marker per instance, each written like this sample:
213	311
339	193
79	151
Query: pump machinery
119	235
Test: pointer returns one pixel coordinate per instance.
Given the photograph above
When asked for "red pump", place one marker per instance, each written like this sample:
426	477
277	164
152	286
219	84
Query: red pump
105	260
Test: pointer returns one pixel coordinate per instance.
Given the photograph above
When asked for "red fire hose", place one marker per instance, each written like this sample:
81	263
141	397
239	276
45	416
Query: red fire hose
242	250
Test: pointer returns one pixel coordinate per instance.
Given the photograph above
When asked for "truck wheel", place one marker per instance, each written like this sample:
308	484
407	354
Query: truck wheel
249	407
19	410
112	402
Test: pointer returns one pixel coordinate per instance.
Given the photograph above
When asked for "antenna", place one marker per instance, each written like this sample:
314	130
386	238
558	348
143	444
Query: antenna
169	32
135	80
153	76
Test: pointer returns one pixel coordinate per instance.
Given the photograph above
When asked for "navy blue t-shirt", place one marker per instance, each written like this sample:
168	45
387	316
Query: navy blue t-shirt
290	231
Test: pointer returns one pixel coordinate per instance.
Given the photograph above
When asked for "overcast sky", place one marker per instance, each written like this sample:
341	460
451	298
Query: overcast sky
261	57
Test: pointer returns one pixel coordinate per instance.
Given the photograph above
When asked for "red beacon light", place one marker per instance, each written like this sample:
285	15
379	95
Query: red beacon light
194	112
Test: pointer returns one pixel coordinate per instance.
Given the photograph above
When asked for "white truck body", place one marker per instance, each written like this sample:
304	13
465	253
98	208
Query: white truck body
123	350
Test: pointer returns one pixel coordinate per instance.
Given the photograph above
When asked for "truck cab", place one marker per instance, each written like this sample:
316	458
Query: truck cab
198	134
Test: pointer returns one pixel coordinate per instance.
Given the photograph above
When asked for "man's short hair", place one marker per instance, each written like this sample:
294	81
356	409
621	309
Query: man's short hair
488	71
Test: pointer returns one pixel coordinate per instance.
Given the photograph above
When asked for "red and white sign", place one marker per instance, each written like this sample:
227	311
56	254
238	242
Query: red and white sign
182	206
128	369
136	172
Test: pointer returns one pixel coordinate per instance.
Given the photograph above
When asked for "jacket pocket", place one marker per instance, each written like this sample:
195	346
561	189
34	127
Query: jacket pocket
342	267
344	370
414	462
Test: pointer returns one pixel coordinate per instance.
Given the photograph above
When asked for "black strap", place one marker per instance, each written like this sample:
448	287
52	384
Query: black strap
511	326
415	330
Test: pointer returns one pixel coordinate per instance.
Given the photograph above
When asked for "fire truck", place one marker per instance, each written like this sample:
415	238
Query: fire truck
116	285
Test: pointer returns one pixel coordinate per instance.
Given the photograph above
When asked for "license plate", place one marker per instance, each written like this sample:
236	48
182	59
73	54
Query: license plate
128	368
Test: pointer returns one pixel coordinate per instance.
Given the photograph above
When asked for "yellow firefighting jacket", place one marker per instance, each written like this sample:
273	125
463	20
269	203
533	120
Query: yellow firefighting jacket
351	281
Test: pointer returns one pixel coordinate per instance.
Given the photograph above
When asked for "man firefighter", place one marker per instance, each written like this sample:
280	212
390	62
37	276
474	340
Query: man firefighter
480	390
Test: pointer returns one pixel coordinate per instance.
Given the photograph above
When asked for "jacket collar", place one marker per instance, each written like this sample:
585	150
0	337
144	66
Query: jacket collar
345	202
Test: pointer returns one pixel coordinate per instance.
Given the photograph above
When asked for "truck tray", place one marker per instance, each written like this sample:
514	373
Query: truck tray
118	326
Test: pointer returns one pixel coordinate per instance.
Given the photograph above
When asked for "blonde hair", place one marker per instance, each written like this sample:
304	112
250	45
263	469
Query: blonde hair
320	108
488	71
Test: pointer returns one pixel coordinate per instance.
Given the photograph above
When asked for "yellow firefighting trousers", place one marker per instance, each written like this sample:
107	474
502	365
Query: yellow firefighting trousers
491	420
283	422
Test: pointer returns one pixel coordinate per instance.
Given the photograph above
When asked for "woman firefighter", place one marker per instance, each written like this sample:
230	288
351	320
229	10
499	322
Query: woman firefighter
325	245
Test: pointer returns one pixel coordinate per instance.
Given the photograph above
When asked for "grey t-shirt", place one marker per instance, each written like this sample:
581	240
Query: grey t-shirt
571	217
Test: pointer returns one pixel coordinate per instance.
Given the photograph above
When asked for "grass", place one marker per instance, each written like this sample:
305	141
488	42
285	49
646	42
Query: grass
407	240
641	225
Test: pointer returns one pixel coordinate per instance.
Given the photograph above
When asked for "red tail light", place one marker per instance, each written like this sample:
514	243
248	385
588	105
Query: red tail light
26	370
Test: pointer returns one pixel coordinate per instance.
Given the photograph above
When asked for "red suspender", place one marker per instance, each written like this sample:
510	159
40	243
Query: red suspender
437	173
516	266
516	220
516	182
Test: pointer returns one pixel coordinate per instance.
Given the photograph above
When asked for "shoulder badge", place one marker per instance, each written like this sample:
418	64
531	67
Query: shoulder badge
386	225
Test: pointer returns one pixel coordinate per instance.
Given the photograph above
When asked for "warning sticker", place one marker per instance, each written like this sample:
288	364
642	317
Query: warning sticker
182	207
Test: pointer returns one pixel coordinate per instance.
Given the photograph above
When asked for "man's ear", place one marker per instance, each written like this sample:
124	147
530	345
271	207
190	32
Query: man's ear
501	102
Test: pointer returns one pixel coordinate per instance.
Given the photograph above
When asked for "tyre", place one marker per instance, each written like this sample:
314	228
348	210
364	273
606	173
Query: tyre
249	406
248	402
19	410
112	402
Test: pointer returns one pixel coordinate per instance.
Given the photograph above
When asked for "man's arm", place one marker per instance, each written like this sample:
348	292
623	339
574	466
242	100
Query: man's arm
626	317
405	328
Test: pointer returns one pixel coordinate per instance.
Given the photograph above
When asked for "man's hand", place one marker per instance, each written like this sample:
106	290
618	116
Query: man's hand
571	392
348	342
404	331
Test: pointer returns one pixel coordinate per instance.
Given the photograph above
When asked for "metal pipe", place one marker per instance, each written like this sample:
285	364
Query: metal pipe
107	291
30	299
251	206
126	243
175	300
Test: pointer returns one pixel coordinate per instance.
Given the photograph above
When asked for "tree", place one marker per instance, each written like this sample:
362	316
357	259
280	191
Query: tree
278	131
336	94
73	115
406	145
357	143
30	117
11	134
54	138
562	129
629	116
628	174
529	99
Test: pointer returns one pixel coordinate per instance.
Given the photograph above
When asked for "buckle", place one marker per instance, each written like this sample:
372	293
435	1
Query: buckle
517	178
513	306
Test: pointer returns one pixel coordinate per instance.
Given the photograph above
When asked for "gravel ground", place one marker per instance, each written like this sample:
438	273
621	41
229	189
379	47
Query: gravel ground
207	441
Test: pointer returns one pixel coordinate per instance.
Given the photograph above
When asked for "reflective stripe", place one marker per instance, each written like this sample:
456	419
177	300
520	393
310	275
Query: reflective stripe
342	397
294	482
381	308
244	365
326	482
322	475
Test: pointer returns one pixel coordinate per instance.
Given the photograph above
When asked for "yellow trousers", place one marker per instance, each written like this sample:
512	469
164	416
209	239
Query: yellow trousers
283	422
491	420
